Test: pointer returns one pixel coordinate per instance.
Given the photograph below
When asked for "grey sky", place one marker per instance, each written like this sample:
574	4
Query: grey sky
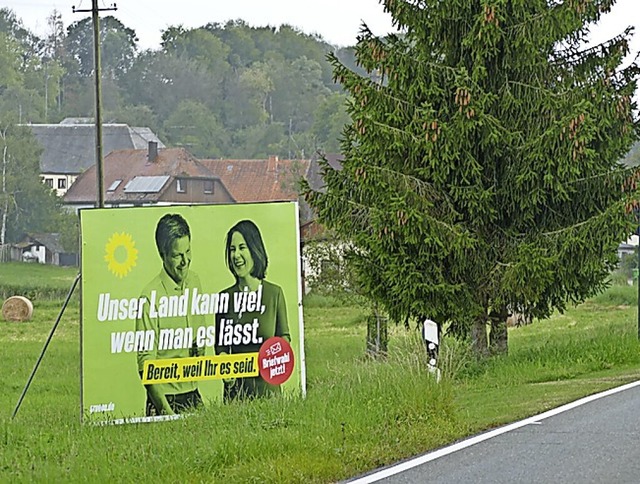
337	21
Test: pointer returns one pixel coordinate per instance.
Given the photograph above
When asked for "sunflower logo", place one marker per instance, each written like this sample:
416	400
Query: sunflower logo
121	254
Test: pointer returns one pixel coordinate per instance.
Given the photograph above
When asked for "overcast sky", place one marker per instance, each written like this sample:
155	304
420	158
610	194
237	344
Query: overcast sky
337	21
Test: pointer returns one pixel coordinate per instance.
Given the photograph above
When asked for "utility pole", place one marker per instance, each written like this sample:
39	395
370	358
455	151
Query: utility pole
98	93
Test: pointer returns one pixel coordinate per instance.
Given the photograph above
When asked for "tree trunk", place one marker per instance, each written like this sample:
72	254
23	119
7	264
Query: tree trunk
479	337
5	197
377	339
498	337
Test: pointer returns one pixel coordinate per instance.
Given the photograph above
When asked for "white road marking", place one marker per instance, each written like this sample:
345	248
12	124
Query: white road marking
535	420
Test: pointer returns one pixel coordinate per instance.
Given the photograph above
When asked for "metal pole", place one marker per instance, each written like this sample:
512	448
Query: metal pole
98	96
46	345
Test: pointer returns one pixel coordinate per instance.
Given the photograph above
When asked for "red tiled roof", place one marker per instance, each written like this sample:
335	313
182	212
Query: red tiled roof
260	180
126	164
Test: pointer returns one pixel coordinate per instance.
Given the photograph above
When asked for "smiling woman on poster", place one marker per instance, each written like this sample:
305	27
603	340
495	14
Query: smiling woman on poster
246	258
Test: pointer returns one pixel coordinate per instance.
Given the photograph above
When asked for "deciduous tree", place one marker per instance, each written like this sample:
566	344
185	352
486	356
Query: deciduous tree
26	204
195	127
118	46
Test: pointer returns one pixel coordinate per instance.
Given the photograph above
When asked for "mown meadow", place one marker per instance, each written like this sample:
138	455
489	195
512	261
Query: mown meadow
359	414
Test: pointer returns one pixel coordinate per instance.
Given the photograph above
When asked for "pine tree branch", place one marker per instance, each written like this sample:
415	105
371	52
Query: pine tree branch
604	175
363	216
393	128
577	225
422	188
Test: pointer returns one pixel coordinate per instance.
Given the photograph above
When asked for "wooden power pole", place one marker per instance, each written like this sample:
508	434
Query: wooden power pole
98	94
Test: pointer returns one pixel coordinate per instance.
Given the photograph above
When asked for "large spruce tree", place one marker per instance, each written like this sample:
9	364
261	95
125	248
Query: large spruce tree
480	174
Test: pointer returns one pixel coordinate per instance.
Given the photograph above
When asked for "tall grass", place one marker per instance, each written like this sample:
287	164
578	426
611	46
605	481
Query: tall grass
358	414
618	295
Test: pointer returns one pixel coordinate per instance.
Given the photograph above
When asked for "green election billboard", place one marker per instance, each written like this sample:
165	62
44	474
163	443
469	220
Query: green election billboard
189	306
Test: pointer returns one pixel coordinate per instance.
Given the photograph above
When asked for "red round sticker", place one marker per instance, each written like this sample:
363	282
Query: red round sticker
276	360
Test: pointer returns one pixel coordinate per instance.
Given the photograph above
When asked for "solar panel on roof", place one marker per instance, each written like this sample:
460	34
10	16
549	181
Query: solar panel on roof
146	184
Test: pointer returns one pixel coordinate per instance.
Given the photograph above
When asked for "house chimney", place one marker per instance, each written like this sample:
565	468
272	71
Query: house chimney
153	151
272	163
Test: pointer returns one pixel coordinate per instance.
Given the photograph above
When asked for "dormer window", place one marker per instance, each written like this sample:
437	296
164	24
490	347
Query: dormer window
208	186
181	185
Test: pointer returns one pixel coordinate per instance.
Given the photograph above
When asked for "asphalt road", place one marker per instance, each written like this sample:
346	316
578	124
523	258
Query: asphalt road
593	440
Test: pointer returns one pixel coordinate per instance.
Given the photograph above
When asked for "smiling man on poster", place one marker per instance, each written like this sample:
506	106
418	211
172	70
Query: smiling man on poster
174	326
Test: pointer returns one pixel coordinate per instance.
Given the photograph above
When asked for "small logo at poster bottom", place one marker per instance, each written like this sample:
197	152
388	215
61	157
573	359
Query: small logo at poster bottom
276	360
102	407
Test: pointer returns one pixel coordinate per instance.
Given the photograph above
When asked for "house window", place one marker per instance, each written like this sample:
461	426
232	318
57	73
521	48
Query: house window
208	186
48	182
181	186
62	183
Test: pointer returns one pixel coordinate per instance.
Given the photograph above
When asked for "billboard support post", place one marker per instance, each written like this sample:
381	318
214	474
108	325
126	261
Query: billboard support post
46	345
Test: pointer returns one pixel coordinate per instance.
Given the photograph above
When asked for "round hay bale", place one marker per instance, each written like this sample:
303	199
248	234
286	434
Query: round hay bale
17	308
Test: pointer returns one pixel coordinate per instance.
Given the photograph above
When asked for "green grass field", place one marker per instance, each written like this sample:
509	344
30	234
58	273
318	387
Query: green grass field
359	414
35	281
